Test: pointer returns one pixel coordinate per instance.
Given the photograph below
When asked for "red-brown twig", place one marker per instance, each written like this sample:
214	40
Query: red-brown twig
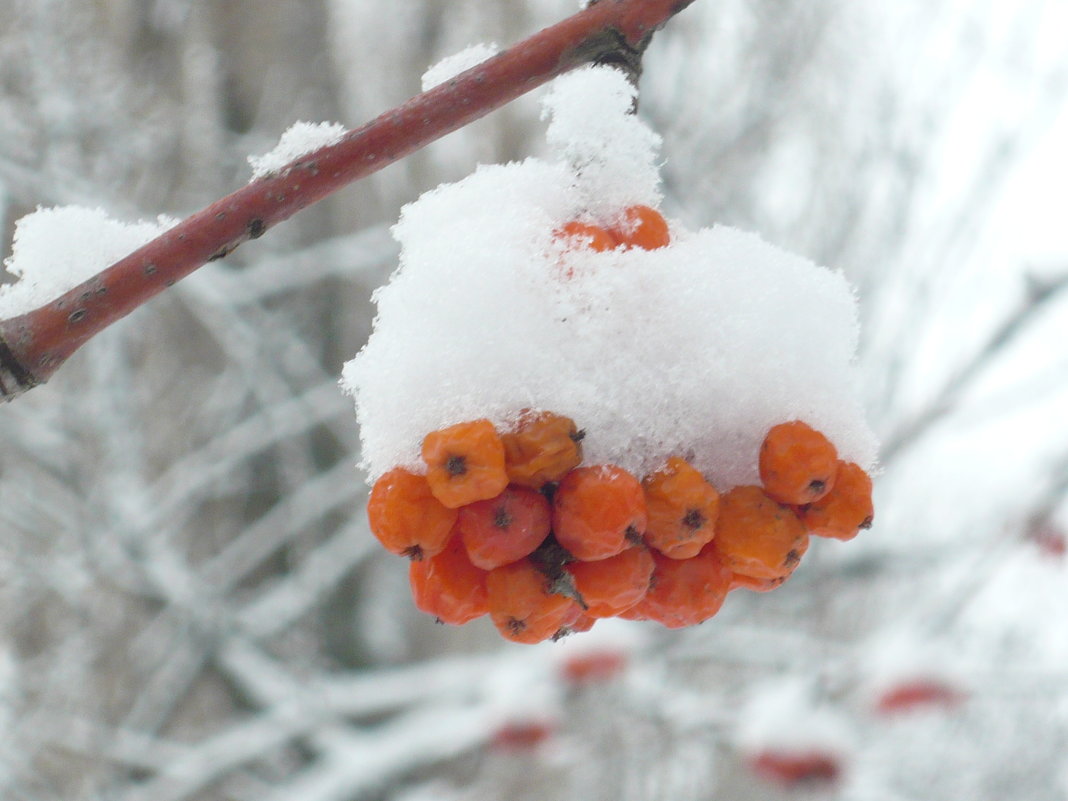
35	344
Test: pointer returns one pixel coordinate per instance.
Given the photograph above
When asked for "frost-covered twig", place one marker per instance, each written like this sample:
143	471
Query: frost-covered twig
35	344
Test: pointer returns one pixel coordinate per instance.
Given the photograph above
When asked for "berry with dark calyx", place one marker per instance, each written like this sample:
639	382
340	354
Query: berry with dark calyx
465	463
610	586
845	510
684	592
406	517
448	586
523	606
506	528
598	512
798	465
542	448
642	227
682	509
758	536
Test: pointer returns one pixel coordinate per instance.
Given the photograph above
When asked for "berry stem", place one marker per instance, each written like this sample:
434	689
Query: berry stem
35	344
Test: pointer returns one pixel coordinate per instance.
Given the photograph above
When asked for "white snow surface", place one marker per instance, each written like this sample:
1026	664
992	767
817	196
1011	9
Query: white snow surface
451	66
695	349
55	249
298	140
785	715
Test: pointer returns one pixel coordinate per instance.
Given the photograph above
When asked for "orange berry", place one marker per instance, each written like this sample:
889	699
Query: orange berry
757	536
756	584
406	518
581	234
797	463
642	227
506	528
596	509
582	623
523	606
448	586
682	509
846	509
465	463
684	592
541	448
609	586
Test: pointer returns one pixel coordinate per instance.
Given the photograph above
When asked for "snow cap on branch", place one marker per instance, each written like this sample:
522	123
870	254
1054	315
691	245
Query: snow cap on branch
298	140
592	129
694	349
55	249
451	66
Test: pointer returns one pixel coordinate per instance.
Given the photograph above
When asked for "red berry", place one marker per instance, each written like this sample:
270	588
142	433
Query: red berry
797	463
448	586
596	509
523	606
757	536
465	463
521	735
919	693
609	586
506	528
595	667
578	234
845	510
684	592
405	516
541	448
642	227
794	769
682	509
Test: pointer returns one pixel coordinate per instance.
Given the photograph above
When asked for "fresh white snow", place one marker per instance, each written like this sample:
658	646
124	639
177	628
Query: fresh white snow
451	66
693	349
55	249
298	140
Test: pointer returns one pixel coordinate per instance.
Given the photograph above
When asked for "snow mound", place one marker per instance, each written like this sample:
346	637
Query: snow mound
694	349
451	66
55	249
298	140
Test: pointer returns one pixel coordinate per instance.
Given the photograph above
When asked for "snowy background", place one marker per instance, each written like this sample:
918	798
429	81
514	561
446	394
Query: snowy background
191	606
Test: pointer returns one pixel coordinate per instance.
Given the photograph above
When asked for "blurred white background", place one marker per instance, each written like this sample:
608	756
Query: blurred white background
191	606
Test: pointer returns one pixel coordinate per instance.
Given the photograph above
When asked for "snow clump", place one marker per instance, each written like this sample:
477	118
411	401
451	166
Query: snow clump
451	66
695	349
55	249
299	139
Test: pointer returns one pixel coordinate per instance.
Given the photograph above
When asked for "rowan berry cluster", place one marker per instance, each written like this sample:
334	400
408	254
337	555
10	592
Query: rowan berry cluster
510	523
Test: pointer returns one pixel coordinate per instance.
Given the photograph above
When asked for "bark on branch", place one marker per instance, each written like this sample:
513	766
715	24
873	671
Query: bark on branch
34	345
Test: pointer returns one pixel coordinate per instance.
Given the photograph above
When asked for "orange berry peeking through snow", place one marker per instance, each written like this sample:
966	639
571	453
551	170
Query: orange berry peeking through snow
642	227
797	463
465	463
682	509
598	511
542	447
